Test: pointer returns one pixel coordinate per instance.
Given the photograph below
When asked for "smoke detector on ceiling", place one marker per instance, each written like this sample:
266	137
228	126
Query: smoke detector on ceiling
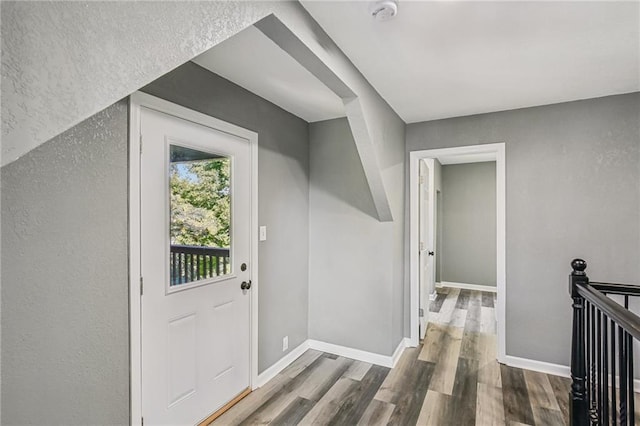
384	10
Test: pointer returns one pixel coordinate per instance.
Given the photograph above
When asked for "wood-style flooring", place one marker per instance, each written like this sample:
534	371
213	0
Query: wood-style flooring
451	379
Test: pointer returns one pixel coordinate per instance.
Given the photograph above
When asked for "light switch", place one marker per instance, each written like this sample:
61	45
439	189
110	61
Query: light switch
263	233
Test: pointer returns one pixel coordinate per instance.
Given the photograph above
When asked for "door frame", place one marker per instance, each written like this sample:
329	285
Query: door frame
136	101
429	282
490	151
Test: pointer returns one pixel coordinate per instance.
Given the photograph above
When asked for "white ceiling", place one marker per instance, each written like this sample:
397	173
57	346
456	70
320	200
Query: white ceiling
448	58
440	59
253	61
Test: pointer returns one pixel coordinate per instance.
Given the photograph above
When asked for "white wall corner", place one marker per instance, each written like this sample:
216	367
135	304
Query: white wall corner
366	151
358	355
404	343
285	38
388	361
280	365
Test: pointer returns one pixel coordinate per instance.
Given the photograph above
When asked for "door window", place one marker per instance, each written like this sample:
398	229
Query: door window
200	215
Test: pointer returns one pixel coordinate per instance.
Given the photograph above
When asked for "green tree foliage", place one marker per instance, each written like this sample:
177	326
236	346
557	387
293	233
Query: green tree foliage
200	203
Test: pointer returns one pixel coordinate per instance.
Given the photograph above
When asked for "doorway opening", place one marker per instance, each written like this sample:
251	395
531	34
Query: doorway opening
427	238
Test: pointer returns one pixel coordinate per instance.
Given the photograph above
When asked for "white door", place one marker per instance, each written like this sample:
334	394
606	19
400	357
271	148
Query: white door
425	273
195	246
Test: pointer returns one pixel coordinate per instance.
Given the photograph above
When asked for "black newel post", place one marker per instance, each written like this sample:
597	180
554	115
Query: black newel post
578	407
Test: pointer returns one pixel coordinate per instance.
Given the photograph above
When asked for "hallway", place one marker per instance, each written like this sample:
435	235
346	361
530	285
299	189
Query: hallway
452	379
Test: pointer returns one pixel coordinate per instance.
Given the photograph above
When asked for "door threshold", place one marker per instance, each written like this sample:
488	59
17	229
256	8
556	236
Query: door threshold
225	407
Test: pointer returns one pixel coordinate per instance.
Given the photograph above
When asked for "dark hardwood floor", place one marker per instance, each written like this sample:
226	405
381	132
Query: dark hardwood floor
451	379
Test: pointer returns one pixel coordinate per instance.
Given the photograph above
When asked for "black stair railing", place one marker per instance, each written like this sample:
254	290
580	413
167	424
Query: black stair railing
602	388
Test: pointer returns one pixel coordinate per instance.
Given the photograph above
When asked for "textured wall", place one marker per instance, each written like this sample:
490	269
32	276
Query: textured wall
469	223
573	190
64	61
65	332
283	167
355	266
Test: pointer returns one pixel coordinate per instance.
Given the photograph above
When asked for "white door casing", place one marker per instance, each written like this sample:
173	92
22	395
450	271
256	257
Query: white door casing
427	226
177	375
485	152
425	246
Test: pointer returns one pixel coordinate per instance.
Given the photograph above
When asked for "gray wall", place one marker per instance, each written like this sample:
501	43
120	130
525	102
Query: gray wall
468	223
64	246
573	190
65	332
355	267
283	173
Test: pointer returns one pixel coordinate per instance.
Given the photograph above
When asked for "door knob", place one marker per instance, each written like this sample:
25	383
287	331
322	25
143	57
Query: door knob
431	253
246	285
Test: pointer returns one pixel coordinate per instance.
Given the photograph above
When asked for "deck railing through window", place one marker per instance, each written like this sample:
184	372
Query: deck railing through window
604	331
192	263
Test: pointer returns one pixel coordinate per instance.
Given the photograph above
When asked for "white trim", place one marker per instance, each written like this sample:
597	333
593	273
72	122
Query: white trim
466	286
550	368
254	259
135	313
280	365
404	343
414	158
414	247
540	366
433	296
136	101
501	249
370	357
360	355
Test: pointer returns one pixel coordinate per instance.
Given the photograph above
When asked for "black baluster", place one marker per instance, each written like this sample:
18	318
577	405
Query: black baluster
578	407
218	266
599	369
172	269
176	270
628	376
592	393
631	406
605	374
622	363
589	358
613	373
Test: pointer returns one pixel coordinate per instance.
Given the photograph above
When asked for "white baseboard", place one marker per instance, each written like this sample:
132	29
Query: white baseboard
359	355
549	368
280	365
404	343
466	286
540	366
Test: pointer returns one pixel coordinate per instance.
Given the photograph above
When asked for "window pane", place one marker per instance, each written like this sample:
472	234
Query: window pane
200	225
